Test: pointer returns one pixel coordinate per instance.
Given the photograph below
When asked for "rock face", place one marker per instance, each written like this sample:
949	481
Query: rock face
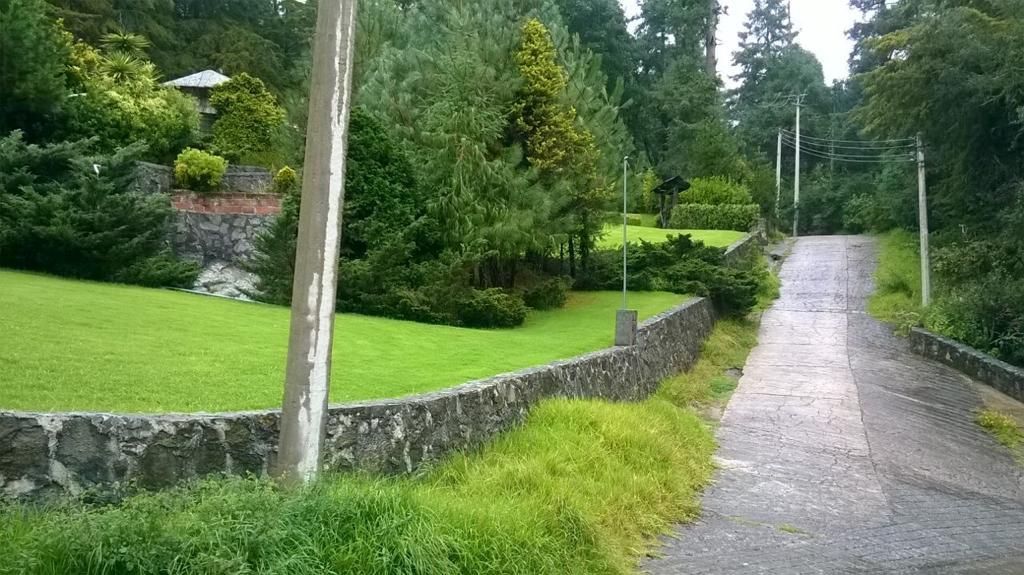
227	280
43	454
208	237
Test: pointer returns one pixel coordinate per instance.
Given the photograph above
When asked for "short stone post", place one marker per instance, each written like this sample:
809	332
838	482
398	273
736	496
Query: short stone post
625	327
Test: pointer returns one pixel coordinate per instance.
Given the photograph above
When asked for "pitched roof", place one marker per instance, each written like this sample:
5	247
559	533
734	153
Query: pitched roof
204	79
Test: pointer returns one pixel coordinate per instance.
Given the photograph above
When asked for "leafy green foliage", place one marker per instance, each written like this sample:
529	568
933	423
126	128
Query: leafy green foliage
716	191
551	293
382	194
199	171
32	78
59	216
247	119
678	265
286	182
120	102
491	308
738	217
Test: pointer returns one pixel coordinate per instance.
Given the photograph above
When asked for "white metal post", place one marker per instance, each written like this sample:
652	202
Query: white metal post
922	215
308	371
625	228
796	175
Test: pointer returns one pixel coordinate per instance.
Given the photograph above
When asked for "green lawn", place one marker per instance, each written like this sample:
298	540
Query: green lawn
70	345
613	236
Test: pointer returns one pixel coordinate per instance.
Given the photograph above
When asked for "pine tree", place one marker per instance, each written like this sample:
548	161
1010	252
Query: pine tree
33	54
768	32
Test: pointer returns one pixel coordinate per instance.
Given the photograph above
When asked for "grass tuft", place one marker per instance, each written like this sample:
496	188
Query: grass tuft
1002	427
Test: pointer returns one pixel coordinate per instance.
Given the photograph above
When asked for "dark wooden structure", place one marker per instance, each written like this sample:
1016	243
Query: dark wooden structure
668	196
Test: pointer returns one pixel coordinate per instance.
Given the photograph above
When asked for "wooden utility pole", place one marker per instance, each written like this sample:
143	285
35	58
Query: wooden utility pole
922	215
307	379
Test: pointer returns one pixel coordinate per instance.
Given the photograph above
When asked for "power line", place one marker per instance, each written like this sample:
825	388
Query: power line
900	141
845	158
851	149
853	152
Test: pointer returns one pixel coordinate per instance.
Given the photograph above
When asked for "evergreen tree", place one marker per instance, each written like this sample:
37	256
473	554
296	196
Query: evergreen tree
774	68
33	55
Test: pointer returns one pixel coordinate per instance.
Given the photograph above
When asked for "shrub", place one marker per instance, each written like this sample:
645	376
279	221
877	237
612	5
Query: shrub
738	217
199	171
161	270
548	294
491	308
716	191
57	215
286	182
248	119
679	265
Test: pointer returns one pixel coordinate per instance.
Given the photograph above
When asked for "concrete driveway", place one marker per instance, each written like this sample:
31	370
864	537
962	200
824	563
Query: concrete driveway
842	452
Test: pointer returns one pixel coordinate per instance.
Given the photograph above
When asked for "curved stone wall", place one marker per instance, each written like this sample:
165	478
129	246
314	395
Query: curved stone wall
52	453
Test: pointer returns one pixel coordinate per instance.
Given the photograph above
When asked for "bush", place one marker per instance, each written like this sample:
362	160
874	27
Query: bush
679	265
161	270
548	294
738	217
987	314
58	216
199	171
248	119
716	191
286	182
491	308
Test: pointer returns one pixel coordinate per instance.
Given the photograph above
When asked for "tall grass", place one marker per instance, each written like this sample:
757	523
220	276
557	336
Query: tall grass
897	297
580	489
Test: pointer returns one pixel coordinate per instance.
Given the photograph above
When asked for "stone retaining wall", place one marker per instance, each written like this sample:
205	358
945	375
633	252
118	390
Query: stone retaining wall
46	453
740	251
1006	378
220	227
159	179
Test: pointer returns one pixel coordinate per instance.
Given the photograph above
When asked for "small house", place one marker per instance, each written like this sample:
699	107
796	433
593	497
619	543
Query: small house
199	86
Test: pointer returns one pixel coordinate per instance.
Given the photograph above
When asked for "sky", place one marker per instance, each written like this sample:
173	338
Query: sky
822	26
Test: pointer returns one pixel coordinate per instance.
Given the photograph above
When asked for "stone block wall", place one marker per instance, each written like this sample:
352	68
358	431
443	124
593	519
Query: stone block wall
55	453
220	227
159	179
1006	378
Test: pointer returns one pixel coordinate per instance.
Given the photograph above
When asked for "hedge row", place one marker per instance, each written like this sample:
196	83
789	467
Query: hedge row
738	217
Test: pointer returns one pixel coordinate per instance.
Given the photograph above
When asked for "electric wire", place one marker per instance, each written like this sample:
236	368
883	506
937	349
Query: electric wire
842	158
897	142
853	154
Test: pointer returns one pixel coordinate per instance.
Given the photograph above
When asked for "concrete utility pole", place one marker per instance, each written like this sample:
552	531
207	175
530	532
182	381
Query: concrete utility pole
796	175
922	215
778	178
307	380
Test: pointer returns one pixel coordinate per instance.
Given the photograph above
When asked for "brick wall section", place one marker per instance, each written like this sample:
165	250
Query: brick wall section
56	453
227	203
1006	378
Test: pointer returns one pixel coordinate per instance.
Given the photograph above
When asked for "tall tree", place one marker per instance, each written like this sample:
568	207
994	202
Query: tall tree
33	56
773	68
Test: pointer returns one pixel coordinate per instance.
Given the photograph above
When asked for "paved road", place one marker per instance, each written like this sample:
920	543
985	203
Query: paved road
841	452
